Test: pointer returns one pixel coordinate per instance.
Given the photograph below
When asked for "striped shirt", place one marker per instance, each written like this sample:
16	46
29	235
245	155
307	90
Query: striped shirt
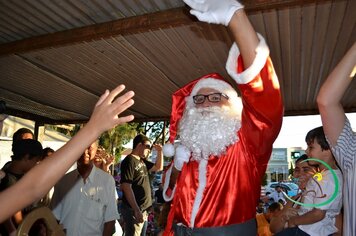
345	154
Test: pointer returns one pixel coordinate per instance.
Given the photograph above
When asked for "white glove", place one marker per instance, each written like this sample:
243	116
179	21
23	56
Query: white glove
214	11
182	156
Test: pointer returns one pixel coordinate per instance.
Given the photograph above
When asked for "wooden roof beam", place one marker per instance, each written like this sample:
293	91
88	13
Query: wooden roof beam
131	25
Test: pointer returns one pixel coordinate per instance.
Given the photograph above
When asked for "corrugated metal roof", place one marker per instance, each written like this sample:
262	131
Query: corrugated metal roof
21	19
154	47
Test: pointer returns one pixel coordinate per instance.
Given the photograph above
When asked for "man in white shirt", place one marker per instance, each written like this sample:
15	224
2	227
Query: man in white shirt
277	195
84	200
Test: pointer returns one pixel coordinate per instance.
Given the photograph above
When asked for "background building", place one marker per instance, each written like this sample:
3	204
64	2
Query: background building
280	163
10	124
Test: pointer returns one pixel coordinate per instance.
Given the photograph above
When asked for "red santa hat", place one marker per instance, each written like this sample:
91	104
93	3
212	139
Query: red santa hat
183	98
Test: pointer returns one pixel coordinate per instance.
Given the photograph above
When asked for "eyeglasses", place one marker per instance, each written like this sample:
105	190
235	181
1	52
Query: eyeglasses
147	146
213	97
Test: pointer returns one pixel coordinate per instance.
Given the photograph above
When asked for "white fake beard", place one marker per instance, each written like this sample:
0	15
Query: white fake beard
208	131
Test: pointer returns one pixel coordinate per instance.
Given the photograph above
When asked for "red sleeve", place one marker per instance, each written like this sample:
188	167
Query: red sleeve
262	112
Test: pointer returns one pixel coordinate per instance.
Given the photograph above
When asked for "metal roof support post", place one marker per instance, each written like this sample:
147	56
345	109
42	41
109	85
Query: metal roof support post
36	129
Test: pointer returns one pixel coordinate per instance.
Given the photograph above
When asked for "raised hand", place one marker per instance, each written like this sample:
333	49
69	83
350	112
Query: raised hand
158	147
106	112
104	117
214	11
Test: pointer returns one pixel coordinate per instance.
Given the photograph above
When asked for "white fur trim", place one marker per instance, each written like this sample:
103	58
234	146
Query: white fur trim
217	84
168	150
262	53
166	185
182	156
201	187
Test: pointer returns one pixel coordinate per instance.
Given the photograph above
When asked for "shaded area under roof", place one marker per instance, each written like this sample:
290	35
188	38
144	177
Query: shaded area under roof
58	57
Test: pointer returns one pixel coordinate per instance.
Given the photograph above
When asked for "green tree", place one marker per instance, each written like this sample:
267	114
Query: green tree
68	130
291	171
115	139
157	131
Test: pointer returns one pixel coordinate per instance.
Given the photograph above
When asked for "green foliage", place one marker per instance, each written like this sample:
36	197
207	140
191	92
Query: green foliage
68	130
291	171
114	139
157	131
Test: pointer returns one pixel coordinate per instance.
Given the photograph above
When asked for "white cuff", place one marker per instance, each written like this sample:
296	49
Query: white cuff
262	53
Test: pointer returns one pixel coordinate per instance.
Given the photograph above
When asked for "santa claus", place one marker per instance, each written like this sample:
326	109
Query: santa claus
223	142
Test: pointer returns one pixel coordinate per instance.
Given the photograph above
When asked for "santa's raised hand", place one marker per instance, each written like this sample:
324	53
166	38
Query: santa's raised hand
214	11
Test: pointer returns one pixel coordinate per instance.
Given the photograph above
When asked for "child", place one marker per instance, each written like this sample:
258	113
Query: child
263	220
318	220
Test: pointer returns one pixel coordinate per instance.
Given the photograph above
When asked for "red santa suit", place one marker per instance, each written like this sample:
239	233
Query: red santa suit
225	190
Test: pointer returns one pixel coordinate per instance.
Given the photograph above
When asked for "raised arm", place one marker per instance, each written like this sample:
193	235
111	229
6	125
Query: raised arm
48	172
159	159
229	13
245	36
330	95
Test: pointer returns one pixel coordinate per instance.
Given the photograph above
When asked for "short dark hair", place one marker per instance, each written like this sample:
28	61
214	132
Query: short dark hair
26	146
46	151
275	207
318	135
18	134
278	186
302	158
140	139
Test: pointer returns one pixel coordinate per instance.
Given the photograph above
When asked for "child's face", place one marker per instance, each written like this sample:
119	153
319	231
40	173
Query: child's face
303	172
314	150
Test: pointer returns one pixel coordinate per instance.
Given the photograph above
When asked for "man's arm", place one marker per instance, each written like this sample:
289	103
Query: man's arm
159	159
48	172
129	195
245	36
330	95
229	13
308	218
109	228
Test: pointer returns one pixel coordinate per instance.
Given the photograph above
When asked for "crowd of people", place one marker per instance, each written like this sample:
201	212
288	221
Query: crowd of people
220	144
89	188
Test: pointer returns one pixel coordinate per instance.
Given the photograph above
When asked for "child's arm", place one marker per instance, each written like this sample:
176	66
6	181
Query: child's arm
42	177
308	218
330	95
279	220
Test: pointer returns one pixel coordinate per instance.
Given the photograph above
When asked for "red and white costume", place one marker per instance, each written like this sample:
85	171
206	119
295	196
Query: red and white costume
225	190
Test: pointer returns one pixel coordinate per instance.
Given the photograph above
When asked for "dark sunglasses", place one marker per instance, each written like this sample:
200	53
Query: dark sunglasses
147	146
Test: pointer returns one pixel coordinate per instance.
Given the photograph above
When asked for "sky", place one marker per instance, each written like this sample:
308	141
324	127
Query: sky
294	129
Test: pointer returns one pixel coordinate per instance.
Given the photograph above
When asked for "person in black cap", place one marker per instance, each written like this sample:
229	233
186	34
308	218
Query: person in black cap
26	154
